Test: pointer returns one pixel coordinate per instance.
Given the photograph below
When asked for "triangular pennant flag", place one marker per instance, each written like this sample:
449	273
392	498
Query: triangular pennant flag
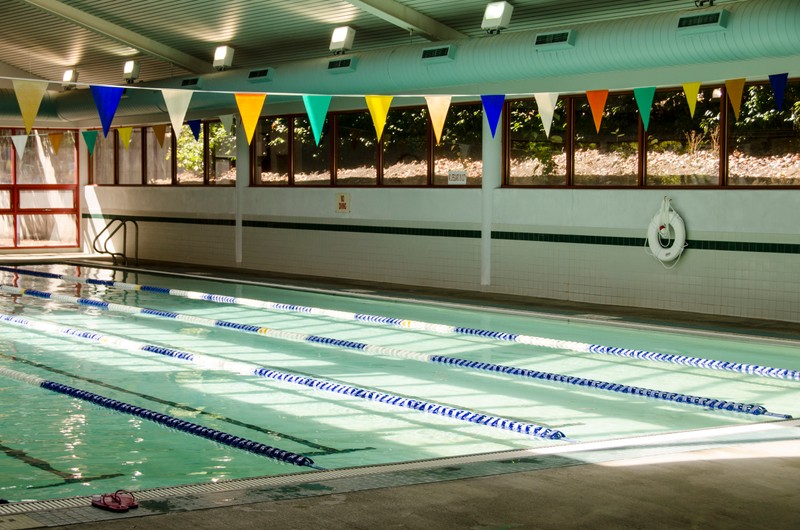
125	136
177	104
691	90
106	99
55	141
437	108
379	108
19	143
546	101
227	122
778	82
492	108
29	96
735	88
317	109
90	137
160	131
597	102
194	126
250	106
644	99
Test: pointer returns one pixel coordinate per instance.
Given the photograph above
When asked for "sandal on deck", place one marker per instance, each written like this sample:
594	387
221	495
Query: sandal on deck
108	501
125	498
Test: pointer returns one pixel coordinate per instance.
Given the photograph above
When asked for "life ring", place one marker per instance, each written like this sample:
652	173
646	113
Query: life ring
671	230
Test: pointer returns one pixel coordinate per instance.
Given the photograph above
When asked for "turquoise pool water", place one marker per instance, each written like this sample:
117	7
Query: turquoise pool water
53	445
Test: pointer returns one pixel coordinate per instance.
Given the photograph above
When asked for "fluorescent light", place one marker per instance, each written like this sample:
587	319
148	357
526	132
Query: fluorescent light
342	39
223	57
131	71
497	16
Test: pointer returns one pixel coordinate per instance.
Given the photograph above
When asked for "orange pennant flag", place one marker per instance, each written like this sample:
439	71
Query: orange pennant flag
125	136
691	90
250	105
29	96
55	141
735	89
378	108
160	131
438	107
597	102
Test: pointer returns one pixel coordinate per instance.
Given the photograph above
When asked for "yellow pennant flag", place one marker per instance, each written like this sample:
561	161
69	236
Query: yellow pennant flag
438	107
29	96
55	141
125	136
250	106
735	88
160	131
691	90
378	108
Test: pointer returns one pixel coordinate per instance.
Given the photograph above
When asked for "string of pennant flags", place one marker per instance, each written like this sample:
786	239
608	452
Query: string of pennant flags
30	93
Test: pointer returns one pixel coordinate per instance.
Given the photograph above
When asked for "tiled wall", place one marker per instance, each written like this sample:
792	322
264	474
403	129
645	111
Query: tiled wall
743	256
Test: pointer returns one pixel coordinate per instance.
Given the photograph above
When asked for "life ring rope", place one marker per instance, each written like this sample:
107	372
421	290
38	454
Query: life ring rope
666	225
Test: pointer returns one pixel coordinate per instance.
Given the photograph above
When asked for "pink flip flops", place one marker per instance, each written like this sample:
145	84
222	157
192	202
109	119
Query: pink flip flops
119	501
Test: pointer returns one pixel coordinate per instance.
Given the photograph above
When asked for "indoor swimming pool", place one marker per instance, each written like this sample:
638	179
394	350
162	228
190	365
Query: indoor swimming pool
113	379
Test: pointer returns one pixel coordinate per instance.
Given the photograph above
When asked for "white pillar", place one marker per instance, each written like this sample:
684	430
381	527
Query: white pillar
242	183
491	180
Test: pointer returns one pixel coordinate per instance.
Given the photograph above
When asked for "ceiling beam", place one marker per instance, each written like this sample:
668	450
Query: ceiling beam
134	40
408	19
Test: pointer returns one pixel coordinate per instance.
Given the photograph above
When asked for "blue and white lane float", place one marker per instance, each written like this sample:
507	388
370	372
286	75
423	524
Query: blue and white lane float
544	342
239	368
164	419
675	397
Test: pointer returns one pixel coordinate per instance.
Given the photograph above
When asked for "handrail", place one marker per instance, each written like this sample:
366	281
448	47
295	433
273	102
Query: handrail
118	223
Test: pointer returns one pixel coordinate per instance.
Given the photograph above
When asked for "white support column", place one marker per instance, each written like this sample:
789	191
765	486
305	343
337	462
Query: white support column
491	180
242	183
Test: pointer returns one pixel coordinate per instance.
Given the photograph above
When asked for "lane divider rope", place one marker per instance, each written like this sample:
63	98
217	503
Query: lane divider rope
544	342
675	397
164	419
240	368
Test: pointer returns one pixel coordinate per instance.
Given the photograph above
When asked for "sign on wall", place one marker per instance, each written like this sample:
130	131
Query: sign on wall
342	203
457	177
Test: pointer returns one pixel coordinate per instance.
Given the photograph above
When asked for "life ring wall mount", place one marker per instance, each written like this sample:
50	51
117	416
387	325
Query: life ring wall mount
666	235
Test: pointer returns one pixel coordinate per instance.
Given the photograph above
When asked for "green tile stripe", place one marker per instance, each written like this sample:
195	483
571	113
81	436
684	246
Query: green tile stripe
737	246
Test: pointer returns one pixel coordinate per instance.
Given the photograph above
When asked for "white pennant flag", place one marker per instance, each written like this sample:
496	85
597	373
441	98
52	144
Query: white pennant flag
546	101
177	104
19	143
227	122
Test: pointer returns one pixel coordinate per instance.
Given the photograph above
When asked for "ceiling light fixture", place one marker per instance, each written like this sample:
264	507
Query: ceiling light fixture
342	40
496	17
69	79
223	57
131	71
701	3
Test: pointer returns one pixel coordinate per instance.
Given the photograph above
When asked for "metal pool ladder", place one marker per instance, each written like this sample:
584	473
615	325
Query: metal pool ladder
109	231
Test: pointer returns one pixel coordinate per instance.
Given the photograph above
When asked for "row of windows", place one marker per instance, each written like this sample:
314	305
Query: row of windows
711	148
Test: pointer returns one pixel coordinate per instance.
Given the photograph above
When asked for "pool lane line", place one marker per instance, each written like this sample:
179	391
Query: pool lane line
67	478
580	347
212	363
675	397
320	449
164	419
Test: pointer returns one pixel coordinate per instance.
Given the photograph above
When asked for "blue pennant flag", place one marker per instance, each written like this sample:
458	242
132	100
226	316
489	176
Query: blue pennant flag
778	82
106	99
194	125
492	108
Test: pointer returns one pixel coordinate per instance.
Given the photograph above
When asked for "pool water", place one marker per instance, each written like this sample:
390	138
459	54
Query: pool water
52	445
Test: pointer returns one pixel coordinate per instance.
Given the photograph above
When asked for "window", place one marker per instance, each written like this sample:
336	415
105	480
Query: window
609	157
130	158
356	149
311	163
461	148
272	151
190	156
159	157
765	141
222	155
103	159
533	158
405	148
682	150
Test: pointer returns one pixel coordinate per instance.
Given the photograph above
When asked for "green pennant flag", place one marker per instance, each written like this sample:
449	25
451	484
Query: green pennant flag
317	109
644	99
90	137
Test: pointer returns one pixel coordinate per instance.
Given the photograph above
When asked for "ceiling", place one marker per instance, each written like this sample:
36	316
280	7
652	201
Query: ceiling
171	38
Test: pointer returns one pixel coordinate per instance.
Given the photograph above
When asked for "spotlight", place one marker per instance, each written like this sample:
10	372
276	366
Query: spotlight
131	71
701	3
342	40
223	57
496	17
69	79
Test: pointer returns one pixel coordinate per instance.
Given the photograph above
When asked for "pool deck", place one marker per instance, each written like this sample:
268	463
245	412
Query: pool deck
732	477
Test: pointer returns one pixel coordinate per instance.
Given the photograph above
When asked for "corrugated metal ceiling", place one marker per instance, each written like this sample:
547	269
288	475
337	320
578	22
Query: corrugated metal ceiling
263	33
